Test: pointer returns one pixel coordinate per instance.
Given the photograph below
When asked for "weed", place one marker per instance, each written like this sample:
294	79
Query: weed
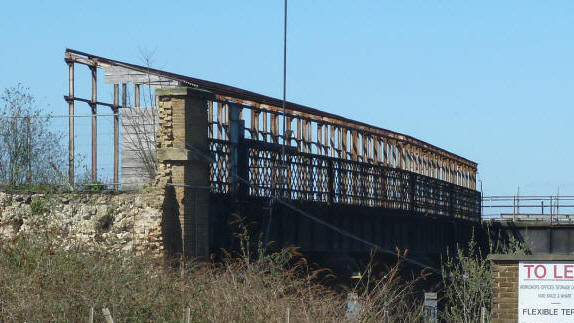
96	186
467	281
37	207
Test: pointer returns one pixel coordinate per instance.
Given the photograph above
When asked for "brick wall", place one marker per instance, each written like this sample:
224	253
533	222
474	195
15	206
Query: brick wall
505	290
505	283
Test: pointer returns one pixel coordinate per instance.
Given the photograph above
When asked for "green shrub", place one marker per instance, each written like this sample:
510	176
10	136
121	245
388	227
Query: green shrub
467	281
37	206
96	186
467	286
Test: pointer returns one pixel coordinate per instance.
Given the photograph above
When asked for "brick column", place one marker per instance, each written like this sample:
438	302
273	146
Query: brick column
183	157
506	290
504	275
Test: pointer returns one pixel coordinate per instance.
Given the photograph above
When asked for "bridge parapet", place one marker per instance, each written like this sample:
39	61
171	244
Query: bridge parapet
331	181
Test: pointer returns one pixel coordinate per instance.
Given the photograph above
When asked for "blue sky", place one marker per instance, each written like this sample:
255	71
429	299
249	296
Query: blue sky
491	80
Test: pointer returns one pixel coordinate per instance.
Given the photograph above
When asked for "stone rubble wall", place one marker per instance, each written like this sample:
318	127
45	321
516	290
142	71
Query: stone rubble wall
168	217
125	221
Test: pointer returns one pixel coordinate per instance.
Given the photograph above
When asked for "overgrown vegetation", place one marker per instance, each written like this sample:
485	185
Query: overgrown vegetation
386	296
30	151
42	281
467	281
466	278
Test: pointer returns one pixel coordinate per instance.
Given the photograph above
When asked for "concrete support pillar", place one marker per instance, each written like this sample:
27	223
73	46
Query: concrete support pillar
184	162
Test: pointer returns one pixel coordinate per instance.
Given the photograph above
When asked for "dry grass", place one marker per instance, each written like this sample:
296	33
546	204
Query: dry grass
386	294
41	282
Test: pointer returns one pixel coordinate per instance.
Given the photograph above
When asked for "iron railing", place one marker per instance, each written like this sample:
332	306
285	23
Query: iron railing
315	178
528	208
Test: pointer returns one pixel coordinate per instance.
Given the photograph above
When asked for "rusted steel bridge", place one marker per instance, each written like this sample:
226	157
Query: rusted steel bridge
340	182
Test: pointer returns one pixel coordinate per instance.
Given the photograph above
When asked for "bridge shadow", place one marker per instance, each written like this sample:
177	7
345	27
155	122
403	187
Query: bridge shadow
426	237
170	224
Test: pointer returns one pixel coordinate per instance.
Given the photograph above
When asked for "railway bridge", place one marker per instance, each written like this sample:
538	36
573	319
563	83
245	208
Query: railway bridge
297	176
544	224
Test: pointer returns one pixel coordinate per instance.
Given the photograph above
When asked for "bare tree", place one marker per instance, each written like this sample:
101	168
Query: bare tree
140	123
30	151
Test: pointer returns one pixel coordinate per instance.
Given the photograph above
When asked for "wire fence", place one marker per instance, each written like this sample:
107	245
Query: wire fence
77	187
50	116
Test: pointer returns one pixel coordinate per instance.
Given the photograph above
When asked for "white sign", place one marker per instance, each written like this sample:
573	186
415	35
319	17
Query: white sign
546	292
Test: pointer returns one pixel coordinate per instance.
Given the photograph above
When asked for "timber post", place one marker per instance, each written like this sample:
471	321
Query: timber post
183	156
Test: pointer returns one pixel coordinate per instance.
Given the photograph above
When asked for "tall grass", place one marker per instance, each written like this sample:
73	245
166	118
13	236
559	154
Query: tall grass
40	281
386	296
